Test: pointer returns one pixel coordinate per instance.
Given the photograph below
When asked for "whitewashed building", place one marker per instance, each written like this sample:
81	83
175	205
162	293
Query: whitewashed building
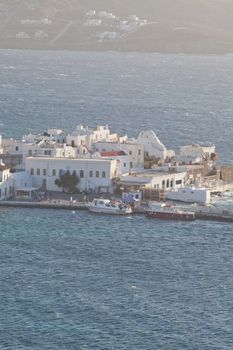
95	174
153	147
51	143
22	186
122	158
83	137
196	153
6	183
92	22
154	180
134	150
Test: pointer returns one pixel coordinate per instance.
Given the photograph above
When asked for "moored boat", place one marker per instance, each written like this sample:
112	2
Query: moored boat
170	213
106	206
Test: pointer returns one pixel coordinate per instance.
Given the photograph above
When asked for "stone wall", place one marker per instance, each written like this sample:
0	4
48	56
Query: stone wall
227	173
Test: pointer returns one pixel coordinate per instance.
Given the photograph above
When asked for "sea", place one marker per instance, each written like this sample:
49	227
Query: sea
78	281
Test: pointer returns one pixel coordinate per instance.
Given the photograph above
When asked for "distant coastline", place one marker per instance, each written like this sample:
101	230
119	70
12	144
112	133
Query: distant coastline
159	26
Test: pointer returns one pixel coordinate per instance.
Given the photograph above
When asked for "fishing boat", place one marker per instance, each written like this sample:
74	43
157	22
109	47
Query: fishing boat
170	213
106	206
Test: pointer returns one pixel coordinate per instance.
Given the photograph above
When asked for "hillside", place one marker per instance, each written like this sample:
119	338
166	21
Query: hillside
194	26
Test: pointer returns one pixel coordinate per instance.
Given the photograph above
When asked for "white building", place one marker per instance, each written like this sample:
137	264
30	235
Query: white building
22	35
134	18
134	150
107	36
92	22
51	143
122	158
22	186
83	137
147	145
6	183
91	13
40	34
153	147
94	174
196	153
154	180
105	14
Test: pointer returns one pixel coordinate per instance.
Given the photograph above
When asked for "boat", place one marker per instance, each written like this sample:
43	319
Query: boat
170	213
189	195
106	206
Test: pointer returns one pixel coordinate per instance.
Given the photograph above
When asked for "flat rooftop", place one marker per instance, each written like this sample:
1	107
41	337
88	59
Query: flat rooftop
56	159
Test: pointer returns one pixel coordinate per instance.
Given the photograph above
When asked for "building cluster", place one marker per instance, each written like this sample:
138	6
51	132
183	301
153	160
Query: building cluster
115	27
103	162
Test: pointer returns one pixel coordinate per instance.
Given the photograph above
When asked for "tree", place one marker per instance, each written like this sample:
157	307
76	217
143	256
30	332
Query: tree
68	182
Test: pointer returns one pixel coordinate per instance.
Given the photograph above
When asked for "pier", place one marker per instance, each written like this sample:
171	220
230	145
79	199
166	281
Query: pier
213	214
65	205
201	213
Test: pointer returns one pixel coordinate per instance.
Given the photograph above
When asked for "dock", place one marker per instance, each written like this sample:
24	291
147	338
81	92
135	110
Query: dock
65	205
201	213
213	214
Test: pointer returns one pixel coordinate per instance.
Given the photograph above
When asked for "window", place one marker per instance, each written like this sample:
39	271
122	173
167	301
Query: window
163	183
81	174
178	182
139	152
32	171
54	172
130	153
131	164
124	165
168	183
44	172
74	173
16	148
90	173
97	173
103	174
30	152
38	172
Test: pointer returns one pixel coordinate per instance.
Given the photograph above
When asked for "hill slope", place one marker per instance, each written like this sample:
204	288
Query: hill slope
194	26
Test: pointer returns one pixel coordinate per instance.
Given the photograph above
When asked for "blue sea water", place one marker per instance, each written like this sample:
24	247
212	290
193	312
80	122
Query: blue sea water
80	281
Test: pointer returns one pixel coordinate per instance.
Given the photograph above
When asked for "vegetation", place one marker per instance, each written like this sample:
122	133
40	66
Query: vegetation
68	182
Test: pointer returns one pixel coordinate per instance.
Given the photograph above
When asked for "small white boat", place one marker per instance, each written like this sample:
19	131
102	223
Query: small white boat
106	206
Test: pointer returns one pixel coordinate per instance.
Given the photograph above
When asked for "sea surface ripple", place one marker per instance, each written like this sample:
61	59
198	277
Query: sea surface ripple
80	281
184	98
